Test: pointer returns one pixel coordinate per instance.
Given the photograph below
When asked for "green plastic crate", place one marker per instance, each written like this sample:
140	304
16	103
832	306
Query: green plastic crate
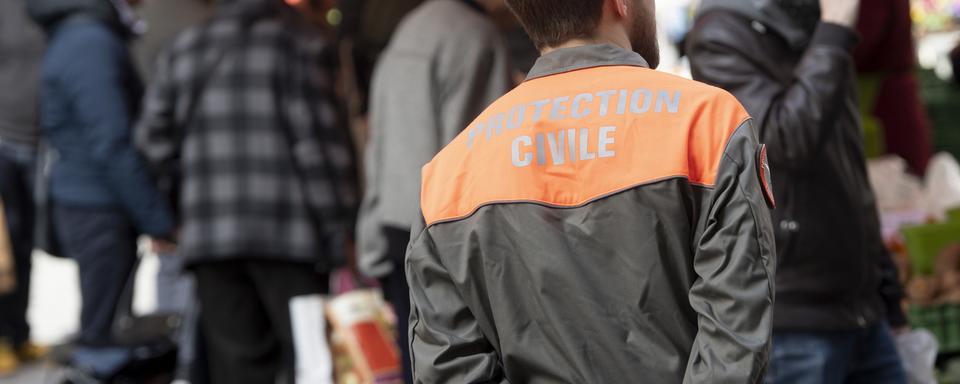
925	242
954	215
941	320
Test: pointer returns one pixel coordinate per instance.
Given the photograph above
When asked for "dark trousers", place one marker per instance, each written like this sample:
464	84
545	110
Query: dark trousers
397	292
16	189
245	317
866	356
103	242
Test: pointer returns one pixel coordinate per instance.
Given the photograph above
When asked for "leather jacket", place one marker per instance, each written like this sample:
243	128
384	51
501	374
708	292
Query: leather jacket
834	272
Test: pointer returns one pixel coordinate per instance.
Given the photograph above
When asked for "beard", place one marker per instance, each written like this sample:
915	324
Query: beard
643	34
805	13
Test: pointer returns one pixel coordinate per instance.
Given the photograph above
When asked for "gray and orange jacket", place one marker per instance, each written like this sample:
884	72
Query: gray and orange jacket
602	223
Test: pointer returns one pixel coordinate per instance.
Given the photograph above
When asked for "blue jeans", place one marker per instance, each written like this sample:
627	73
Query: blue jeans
867	356
16	189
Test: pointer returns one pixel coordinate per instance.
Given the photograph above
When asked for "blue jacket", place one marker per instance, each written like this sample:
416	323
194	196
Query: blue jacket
89	97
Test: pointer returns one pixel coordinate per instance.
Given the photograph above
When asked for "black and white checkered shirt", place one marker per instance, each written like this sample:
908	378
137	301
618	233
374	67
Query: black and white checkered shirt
264	130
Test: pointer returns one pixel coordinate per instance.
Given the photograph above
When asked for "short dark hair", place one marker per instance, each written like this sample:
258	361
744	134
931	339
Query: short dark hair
553	22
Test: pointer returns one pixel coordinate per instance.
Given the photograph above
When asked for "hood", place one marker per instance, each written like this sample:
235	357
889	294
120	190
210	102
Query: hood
775	15
48	13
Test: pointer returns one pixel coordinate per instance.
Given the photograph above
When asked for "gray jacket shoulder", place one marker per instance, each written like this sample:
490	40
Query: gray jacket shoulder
439	22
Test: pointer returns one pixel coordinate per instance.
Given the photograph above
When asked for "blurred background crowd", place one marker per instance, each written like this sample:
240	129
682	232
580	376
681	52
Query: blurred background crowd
174	172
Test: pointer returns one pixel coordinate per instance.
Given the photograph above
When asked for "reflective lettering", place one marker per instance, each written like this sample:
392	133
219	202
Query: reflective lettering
578	113
516	117
559	108
527	157
473	134
585	153
673	104
622	103
538	109
605	140
495	124
541	152
557	152
605	101
647	101
572	143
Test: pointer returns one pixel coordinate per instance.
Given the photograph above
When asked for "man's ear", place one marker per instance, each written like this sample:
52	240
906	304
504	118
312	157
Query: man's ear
619	7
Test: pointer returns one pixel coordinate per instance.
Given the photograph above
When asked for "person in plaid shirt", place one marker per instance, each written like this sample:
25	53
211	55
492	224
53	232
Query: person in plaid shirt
240	120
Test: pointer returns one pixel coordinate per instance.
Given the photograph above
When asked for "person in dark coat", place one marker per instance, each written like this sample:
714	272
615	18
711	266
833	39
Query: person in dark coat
103	196
837	293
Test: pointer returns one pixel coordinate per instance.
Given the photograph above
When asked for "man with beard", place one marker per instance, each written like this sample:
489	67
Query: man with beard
837	295
601	223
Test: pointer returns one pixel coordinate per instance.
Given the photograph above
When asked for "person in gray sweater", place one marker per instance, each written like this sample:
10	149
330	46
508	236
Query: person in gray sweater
447	61
21	50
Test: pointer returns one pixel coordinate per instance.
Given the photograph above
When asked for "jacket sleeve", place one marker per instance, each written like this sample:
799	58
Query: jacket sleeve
372	252
97	83
793	115
156	131
446	343
735	263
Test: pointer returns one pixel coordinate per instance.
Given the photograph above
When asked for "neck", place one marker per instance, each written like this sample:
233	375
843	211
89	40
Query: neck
619	40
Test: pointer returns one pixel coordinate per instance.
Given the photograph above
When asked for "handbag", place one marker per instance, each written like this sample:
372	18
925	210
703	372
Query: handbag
44	226
8	274
142	349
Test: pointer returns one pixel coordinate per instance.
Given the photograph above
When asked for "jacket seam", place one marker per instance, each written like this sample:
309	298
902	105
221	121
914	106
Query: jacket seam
575	206
726	147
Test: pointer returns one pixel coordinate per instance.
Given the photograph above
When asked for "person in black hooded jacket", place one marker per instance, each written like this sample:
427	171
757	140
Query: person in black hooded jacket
837	293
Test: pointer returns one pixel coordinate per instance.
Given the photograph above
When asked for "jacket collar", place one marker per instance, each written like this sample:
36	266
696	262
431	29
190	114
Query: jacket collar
767	13
587	56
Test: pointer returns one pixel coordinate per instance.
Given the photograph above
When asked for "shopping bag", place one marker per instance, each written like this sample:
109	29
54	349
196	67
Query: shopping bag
314	359
943	184
364	347
8	274
918	351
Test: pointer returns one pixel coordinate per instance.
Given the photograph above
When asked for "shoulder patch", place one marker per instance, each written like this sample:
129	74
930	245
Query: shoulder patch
763	171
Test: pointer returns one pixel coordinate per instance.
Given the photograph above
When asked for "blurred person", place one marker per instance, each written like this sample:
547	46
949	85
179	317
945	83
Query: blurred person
837	291
601	223
886	59
102	194
240	113
21	47
366	30
165	19
445	64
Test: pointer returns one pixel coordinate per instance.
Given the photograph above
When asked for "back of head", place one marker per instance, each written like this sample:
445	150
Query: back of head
550	23
629	24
